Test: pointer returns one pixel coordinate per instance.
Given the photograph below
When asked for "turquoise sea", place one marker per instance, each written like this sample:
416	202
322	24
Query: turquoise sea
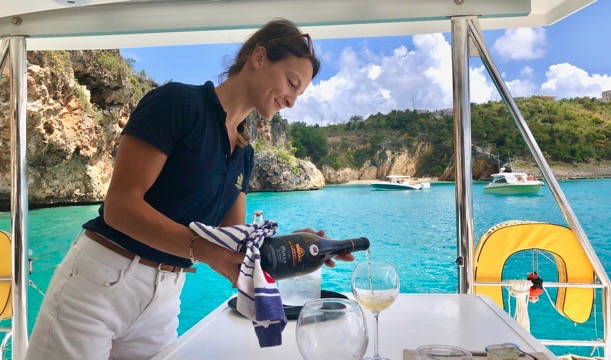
415	230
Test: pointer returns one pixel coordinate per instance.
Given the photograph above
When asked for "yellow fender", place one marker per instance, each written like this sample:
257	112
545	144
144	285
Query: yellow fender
505	239
6	303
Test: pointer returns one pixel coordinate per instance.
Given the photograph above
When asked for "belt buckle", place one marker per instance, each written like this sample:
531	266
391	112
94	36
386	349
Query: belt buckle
160	268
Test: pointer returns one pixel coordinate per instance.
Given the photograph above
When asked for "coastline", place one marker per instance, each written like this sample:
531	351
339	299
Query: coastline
562	171
565	171
368	182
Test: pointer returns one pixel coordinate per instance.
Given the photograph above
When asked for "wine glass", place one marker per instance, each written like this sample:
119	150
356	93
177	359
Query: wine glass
332	329
375	286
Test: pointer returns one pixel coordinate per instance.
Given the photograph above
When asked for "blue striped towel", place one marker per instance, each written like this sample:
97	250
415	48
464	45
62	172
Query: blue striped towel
258	296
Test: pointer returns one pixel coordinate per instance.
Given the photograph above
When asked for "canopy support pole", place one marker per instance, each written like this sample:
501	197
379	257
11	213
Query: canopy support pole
15	57
462	168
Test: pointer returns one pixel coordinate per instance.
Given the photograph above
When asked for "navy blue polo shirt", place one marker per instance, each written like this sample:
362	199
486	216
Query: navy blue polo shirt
201	179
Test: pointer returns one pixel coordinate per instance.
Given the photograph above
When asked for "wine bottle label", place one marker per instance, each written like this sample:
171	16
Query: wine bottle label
297	251
302	253
285	257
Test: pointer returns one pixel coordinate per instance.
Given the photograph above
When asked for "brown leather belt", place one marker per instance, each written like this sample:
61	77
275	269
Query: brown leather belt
128	254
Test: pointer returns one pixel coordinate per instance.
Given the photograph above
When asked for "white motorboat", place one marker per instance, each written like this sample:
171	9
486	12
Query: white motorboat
400	182
512	183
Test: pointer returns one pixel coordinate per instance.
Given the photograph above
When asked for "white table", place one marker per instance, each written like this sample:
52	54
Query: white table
468	321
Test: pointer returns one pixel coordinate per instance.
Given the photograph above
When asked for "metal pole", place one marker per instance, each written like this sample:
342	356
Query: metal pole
586	343
567	211
462	138
3	55
4	342
19	193
548	284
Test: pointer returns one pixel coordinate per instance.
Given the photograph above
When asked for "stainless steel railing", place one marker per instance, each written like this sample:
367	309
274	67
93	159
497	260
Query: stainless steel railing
466	31
14	57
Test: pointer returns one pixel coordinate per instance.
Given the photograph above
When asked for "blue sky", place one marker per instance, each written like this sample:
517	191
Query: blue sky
363	76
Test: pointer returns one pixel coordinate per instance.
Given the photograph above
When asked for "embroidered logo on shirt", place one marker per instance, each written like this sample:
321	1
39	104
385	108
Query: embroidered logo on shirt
238	183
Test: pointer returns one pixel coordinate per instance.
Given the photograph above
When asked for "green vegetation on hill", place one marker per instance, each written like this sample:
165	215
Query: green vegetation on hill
309	142
573	130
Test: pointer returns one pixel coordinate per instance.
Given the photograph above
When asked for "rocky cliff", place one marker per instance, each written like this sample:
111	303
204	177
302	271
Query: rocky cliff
483	164
79	101
276	168
77	105
573	135
403	162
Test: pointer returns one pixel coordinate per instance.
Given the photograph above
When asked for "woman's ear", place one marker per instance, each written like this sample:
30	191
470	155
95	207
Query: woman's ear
257	57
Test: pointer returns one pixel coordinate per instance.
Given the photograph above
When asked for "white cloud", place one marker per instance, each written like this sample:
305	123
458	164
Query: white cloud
522	88
367	83
322	53
374	71
522	43
567	81
527	71
482	89
421	76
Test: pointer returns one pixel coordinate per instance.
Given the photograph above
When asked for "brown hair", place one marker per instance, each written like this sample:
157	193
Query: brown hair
291	45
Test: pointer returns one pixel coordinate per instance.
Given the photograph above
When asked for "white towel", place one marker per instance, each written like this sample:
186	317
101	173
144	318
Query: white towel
258	296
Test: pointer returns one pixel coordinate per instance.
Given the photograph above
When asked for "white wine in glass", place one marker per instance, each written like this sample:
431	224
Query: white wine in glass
375	285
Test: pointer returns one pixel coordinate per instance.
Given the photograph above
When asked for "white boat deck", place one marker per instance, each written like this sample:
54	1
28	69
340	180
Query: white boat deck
468	321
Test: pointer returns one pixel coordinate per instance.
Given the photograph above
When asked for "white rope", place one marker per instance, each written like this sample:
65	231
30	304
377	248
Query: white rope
520	289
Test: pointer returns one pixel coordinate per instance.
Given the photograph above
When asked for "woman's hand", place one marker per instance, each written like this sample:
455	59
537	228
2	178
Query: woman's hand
223	261
342	257
330	263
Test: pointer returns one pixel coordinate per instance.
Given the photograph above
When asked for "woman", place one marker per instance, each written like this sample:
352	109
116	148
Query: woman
183	157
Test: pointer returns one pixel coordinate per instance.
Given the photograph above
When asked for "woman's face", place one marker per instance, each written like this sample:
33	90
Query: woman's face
277	85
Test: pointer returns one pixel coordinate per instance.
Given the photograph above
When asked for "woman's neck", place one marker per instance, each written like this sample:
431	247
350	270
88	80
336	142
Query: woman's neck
235	101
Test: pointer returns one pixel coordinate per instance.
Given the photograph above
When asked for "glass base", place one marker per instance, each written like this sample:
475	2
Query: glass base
375	358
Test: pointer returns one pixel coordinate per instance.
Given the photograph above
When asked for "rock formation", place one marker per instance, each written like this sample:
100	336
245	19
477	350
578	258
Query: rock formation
79	101
76	109
273	172
276	169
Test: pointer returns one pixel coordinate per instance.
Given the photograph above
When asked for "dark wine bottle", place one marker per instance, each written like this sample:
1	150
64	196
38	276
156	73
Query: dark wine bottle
302	253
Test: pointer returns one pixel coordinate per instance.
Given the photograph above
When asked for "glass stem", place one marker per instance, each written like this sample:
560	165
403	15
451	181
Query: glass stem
376	353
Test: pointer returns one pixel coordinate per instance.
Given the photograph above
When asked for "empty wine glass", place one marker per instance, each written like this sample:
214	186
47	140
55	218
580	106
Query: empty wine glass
375	286
332	329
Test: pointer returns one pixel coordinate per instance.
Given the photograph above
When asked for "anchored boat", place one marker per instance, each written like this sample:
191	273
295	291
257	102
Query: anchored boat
512	183
400	182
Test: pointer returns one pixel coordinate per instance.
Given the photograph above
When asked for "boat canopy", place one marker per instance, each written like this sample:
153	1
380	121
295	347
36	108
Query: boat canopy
112	24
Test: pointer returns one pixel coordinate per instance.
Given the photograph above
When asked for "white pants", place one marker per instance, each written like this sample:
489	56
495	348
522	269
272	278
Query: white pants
101	305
